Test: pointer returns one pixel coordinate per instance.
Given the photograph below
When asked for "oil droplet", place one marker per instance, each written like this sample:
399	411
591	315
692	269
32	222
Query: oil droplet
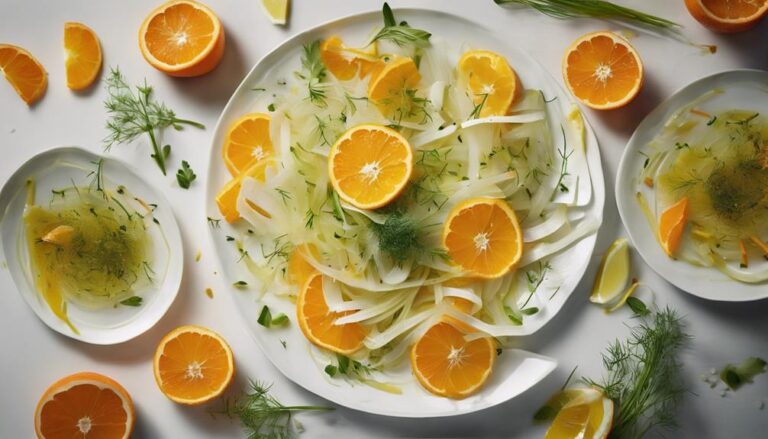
209	293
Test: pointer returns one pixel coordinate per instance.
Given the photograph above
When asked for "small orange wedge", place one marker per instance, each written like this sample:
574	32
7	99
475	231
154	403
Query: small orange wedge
344	62
491	81
483	236
317	321
728	16
226	199
370	165
446	364
602	70
182	38
193	365
25	74
671	225
247	142
392	79
83	55
85	405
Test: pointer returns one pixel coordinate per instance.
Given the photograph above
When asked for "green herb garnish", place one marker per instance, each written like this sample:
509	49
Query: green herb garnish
132	301
314	72
736	375
399	235
185	175
132	114
348	367
593	9
400	34
267	320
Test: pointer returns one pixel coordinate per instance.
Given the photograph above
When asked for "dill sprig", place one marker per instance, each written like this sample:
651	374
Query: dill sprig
401	33
314	73
593	9
643	376
564	155
262	415
399	236
132	114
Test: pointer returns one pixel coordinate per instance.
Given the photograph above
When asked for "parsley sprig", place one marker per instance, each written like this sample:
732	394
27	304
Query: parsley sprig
185	175
132	113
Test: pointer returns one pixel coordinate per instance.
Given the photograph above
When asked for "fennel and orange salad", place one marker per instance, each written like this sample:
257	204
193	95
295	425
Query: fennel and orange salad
408	196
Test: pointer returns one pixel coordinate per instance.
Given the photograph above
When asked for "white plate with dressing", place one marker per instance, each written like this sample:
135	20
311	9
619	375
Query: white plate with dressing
62	168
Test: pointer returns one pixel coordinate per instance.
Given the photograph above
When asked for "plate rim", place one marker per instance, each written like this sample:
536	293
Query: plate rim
175	276
623	178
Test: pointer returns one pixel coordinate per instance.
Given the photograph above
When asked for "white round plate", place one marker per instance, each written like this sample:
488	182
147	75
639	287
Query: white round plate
58	168
744	89
515	370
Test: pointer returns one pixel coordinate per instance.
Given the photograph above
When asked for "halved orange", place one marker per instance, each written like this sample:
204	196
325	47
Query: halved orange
317	321
392	79
83	55
193	365
370	165
25	74
482	235
226	199
182	38
492	83
671	225
728	16
247	142
85	405
603	70
446	364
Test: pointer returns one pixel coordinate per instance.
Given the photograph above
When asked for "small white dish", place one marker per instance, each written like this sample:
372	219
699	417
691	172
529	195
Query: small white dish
516	370
57	168
743	89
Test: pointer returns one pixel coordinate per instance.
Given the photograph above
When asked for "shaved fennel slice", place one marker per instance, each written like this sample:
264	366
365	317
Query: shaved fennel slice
387	306
377	340
741	275
436	94
552	224
541	250
515	118
390	271
493	330
376	217
426	137
441	292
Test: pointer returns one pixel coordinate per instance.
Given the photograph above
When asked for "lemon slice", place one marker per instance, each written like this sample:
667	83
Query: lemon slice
277	10
585	413
613	274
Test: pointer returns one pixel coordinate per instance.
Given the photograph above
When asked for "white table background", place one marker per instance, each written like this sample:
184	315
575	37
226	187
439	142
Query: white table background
33	356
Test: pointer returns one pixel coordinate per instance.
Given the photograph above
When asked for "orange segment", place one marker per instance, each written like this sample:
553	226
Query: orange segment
448	365
226	199
728	16
491	81
182	38
85	405
603	70
671	225
83	60
391	82
25	74
317	321
342	67
247	142
193	365
483	236
370	165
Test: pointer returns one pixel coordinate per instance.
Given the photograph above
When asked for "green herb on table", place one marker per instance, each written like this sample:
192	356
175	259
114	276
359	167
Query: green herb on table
134	113
132	301
185	175
736	375
593	9
401	33
262	415
637	306
267	320
643	375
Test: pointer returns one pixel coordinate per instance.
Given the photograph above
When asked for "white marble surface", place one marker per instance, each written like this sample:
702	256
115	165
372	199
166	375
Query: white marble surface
34	356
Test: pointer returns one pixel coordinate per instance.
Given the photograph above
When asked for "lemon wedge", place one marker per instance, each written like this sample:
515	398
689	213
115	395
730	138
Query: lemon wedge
585	413
613	274
277	10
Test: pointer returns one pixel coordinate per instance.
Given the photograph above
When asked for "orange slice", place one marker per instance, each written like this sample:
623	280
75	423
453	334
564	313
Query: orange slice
83	61
226	199
193	365
370	165
671	225
84	405
247	142
728	16
299	270
603	70
317	321
391	82
344	62
182	38
25	74
483	236
446	364
491	81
